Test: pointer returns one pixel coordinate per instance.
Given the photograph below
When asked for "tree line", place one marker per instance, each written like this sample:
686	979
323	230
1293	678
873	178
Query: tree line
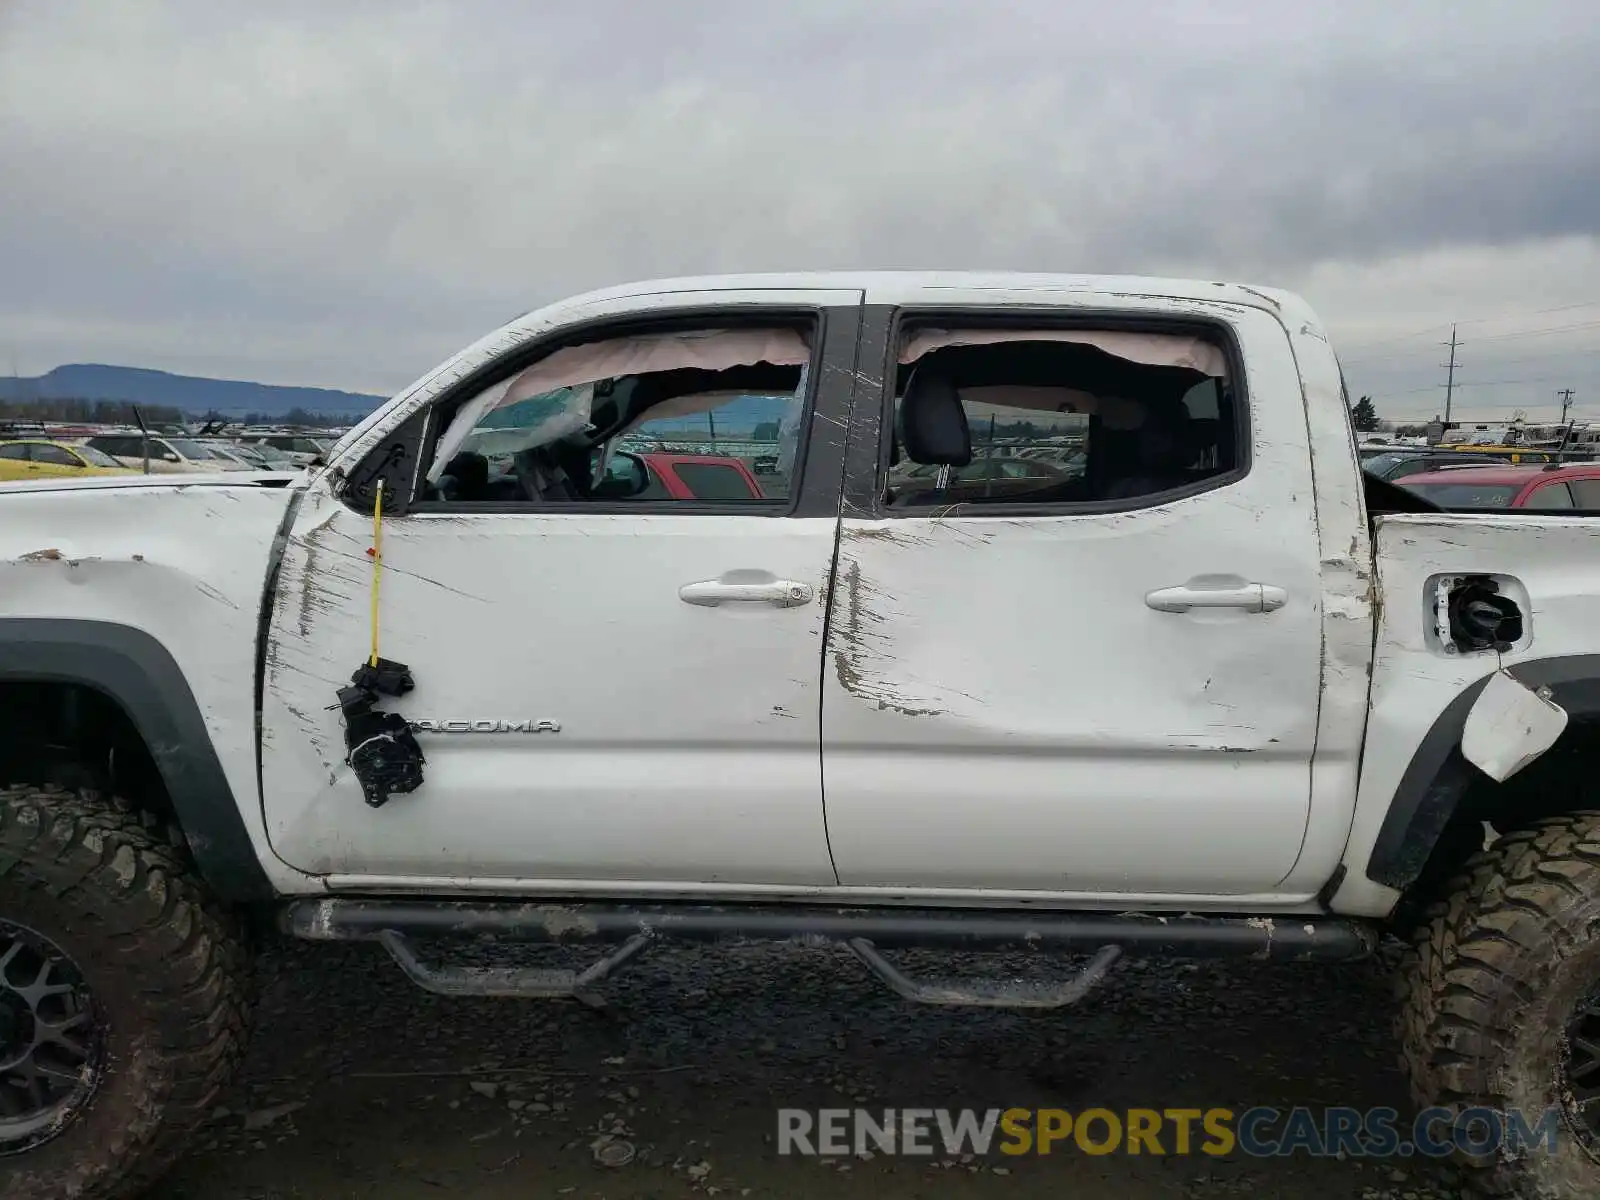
121	412
96	412
295	416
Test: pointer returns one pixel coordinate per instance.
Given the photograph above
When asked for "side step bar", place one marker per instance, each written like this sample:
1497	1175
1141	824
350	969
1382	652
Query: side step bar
527	983
996	993
865	932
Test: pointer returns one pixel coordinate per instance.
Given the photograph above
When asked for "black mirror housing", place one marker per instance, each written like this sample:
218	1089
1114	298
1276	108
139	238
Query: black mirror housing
626	475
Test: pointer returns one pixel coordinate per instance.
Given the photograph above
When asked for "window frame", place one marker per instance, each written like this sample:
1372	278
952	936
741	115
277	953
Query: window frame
69	459
812	319
1549	485
1585	478
131	445
698	470
1044	317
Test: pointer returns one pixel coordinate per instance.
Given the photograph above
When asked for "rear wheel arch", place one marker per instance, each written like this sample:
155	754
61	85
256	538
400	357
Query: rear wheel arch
132	675
1435	821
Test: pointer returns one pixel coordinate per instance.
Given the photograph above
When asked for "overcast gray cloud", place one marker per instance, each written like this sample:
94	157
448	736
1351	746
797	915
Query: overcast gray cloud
342	193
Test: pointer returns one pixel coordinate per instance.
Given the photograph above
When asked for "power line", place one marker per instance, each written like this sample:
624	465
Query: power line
1554	353
1504	337
1547	356
1507	382
1537	312
1476	383
1403	337
1493	337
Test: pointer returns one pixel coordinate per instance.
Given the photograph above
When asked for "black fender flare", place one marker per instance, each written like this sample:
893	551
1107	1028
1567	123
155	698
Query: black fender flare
1438	774
137	672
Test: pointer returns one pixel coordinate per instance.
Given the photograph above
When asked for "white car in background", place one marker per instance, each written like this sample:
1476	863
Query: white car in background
249	457
298	446
274	458
168	455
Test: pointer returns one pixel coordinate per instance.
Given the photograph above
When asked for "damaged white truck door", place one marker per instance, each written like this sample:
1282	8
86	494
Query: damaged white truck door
602	696
1073	700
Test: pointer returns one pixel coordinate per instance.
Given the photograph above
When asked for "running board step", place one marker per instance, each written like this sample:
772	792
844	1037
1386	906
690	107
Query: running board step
865	932
527	983
1018	993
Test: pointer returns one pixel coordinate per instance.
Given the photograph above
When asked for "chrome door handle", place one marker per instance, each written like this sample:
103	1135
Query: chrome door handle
786	593
1252	597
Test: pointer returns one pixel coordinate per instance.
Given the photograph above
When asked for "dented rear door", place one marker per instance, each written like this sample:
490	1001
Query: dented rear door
1004	710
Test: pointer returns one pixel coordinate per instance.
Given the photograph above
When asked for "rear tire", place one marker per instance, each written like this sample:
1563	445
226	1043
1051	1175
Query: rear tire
163	995
1503	969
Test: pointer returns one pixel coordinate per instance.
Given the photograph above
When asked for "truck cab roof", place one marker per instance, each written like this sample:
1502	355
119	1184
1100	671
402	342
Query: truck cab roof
924	287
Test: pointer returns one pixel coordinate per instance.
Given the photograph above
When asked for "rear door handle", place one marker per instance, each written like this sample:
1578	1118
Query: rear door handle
785	593
1252	597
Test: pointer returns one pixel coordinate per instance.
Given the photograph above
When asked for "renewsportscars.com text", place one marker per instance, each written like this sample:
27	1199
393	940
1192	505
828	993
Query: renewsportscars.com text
1257	1132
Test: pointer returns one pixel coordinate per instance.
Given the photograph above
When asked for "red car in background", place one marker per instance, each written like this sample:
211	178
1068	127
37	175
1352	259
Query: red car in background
1551	488
698	477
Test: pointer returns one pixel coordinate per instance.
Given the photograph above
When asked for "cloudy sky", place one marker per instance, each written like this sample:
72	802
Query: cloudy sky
342	192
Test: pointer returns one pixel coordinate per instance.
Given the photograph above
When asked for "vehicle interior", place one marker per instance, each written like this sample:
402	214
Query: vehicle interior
555	433
1093	423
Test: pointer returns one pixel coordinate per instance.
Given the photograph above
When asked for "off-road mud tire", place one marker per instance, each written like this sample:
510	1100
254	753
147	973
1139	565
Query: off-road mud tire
1496	970
169	971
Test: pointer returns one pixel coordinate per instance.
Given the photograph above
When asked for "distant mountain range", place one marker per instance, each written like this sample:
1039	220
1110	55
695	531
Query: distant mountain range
198	396
191	393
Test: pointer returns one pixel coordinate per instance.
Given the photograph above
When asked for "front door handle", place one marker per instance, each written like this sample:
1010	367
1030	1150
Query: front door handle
785	593
1252	597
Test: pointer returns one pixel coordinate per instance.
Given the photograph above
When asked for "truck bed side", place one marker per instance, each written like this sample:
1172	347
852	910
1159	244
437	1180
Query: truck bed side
1422	689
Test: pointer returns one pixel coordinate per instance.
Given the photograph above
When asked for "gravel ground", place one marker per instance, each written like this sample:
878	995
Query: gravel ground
359	1085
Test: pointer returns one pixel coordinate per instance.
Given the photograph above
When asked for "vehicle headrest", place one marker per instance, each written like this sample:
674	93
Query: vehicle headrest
1167	440
933	425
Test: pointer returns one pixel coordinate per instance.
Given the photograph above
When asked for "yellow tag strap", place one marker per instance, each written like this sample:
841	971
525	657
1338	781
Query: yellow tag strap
377	565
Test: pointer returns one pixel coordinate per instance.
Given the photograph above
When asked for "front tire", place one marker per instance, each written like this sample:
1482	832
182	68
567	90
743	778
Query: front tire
124	998
1500	1006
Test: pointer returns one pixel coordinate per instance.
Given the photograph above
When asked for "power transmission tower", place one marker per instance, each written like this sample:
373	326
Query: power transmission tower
1566	403
1450	378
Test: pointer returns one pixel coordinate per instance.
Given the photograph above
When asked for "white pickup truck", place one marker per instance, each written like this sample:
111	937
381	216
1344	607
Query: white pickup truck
1186	683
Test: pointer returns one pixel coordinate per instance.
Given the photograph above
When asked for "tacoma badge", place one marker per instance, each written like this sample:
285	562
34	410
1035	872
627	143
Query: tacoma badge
486	726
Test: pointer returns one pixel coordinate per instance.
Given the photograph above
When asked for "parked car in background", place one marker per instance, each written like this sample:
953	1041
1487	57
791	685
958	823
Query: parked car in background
168	455
246	456
44	459
1551	488
298	446
1397	464
648	475
1516	455
274	458
698	477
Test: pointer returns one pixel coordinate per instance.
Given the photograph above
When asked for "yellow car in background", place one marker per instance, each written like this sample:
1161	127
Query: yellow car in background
1519	455
40	459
